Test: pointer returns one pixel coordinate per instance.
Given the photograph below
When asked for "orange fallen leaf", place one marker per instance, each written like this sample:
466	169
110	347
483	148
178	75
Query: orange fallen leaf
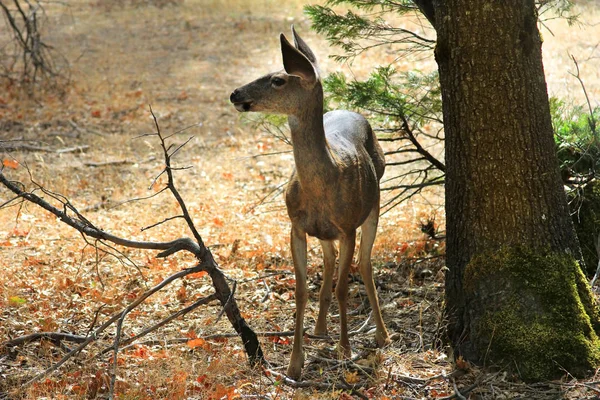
182	294
190	334
280	340
10	163
141	352
198	275
198	342
437	394
218	222
462	364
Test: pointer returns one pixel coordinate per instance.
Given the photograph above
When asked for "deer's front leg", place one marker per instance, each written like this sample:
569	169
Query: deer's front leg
298	244
341	290
325	293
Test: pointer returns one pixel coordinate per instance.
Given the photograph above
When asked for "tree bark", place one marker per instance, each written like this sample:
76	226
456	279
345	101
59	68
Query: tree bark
505	203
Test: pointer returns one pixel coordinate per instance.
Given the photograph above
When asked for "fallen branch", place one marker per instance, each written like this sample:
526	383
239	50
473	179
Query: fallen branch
11	146
55	337
94	335
61	336
69	215
180	313
108	163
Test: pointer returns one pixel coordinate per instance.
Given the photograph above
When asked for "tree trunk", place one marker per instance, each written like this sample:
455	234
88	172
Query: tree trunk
514	289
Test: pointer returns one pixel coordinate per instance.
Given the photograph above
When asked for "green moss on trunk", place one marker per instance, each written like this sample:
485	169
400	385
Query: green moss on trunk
533	313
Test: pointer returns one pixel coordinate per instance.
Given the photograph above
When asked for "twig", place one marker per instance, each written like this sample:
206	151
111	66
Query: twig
456	391
411	136
91	231
55	337
78	129
29	147
94	335
460	393
95	319
72	149
206	260
180	313
591	119
106	163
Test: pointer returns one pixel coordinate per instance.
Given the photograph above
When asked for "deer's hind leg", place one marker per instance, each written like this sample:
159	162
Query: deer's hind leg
347	244
369	231
325	295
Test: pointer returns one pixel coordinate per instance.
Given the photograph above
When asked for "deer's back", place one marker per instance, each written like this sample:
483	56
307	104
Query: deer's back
339	201
348	132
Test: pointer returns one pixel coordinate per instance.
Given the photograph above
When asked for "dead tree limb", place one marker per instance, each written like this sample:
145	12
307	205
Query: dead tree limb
72	217
55	337
32	56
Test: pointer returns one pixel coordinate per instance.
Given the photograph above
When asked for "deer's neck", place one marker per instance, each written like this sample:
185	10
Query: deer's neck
312	154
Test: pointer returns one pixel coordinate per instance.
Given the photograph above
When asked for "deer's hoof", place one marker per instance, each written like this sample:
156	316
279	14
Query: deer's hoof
294	371
320	331
382	339
344	351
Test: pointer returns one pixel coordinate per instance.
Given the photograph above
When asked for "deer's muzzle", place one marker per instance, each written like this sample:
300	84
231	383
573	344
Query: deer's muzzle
239	102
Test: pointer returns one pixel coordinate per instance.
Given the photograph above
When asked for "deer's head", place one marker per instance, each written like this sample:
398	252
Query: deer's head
287	91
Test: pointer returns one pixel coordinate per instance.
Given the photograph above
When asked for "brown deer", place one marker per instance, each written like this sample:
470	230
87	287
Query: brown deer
333	191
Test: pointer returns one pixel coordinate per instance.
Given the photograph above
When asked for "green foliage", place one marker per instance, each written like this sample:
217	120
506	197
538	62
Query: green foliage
578	150
578	144
275	124
354	32
557	8
388	95
407	105
403	107
585	208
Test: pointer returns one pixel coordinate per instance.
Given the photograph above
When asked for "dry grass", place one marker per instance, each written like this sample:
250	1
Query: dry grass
184	59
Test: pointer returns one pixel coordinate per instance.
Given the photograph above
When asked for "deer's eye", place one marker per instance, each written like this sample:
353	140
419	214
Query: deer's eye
277	81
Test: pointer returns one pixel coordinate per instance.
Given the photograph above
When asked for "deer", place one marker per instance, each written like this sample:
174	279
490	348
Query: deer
333	190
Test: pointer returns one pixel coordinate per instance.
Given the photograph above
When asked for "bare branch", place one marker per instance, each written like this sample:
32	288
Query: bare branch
72	217
94	335
180	313
411	136
55	337
591	118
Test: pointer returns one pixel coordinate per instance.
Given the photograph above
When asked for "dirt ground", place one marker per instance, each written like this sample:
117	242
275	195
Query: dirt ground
183	59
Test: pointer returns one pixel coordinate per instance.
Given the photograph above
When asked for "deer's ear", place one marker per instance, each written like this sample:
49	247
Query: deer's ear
296	63
303	47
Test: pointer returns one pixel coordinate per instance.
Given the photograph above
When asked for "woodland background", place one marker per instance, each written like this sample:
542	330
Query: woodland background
87	141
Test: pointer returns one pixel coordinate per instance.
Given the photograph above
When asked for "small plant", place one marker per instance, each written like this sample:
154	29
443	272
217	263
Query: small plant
578	150
578	144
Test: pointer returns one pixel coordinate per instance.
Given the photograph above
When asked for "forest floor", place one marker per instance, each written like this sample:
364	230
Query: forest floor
90	143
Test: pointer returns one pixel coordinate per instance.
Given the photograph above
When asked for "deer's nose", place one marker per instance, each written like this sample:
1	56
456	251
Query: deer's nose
234	95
